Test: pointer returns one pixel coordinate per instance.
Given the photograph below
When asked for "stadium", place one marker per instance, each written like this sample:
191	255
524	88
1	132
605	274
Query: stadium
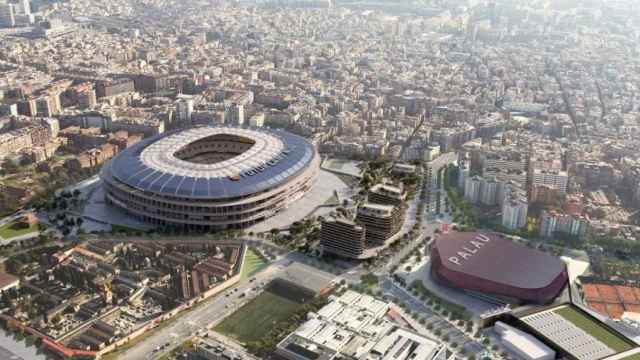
210	178
490	265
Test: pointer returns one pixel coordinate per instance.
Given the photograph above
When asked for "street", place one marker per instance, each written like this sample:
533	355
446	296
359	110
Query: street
214	310
209	313
447	329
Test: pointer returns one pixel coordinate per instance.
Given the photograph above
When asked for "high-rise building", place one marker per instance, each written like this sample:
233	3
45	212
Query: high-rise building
554	178
489	192
7	15
24	7
87	99
343	237
234	114
380	222
9	109
472	189
514	212
386	195
548	223
463	174
554	221
47	106
184	109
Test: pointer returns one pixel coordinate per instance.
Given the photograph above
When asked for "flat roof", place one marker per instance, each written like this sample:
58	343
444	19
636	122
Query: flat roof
577	333
523	341
355	325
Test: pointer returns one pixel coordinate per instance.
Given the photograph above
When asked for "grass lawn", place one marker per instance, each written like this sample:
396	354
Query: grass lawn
252	321
594	329
252	264
11	230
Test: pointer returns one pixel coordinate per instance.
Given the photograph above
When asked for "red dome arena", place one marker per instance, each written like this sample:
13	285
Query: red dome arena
489	264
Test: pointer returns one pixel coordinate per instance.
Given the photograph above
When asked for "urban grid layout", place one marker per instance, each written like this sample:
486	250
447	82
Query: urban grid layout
320	180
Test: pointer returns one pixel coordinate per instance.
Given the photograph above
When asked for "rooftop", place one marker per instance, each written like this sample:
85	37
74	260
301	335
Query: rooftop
490	257
150	165
355	325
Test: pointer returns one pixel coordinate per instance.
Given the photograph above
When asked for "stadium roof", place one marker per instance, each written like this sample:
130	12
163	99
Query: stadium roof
489	256
578	334
151	165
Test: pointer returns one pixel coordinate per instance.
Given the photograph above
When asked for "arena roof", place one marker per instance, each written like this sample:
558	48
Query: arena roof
490	257
151	165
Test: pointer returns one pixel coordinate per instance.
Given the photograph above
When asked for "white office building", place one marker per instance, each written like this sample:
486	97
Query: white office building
355	326
553	178
184	109
472	189
514	212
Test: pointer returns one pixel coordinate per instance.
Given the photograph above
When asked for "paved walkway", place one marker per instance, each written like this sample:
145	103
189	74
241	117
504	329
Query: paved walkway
10	349
99	216
311	203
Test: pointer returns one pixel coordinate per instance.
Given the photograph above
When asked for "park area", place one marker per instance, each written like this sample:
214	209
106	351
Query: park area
252	264
594	329
14	229
280	301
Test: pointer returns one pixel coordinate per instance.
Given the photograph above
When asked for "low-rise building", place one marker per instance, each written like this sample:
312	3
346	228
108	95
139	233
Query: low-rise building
356	326
525	345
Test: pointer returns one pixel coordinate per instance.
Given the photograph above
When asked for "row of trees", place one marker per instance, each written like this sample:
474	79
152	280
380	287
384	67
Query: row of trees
464	213
456	311
453	312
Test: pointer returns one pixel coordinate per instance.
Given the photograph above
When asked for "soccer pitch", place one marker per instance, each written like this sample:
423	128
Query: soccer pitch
255	319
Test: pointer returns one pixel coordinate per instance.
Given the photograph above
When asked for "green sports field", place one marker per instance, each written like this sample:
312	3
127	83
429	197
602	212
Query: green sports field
252	321
594	329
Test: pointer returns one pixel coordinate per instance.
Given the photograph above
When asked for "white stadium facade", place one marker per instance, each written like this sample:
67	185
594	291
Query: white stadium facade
211	178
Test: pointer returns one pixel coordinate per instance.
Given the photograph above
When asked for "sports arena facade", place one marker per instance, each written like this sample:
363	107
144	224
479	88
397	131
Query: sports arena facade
488	264
211	178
